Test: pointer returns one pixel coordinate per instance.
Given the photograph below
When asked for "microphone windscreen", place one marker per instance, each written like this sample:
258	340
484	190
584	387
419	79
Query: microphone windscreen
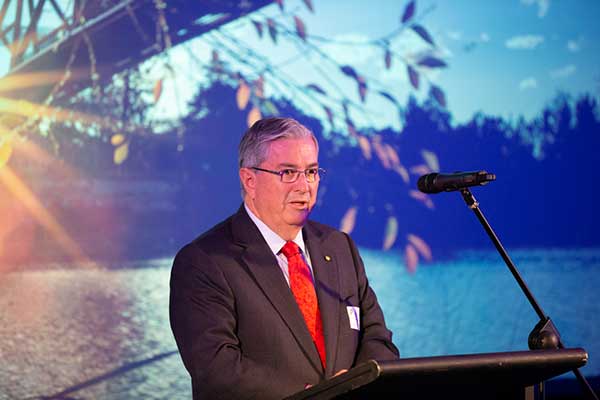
426	183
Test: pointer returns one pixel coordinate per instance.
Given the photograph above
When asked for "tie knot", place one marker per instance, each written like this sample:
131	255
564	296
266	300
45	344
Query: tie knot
290	249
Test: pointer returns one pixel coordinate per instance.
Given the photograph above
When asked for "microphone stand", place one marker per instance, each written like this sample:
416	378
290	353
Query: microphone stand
544	335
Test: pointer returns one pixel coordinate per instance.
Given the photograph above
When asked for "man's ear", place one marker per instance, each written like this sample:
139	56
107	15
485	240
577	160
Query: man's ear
248	179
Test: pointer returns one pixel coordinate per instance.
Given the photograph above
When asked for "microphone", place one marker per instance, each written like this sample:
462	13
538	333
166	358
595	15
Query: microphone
435	183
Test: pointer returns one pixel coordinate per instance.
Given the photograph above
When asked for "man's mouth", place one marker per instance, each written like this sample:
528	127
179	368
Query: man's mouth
299	204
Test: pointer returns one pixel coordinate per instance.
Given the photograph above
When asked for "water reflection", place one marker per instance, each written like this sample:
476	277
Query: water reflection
70	331
83	333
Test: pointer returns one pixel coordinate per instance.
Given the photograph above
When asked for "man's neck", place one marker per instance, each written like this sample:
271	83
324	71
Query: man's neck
286	233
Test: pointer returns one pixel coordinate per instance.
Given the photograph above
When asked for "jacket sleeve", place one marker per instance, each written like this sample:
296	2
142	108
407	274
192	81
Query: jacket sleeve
202	312
376	340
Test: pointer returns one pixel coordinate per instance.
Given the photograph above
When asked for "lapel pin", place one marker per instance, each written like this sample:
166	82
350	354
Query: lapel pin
328	258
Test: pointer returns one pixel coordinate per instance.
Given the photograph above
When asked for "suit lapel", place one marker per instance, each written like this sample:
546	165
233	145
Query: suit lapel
264	267
326	273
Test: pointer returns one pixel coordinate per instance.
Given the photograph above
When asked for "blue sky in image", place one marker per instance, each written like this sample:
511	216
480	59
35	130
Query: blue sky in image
531	53
506	58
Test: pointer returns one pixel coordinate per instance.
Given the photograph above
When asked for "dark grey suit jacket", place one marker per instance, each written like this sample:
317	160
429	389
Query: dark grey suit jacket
236	323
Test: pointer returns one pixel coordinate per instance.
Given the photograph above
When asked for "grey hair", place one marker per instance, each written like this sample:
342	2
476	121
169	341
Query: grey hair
254	146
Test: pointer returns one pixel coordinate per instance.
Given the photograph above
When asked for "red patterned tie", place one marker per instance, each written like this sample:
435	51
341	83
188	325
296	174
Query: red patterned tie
304	291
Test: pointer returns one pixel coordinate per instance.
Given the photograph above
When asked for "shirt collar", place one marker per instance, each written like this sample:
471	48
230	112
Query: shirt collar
274	241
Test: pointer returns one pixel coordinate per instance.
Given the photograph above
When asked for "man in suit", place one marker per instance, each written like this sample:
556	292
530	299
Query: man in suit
267	303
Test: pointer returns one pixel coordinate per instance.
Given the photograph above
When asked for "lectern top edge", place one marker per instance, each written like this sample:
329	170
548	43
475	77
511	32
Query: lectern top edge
507	371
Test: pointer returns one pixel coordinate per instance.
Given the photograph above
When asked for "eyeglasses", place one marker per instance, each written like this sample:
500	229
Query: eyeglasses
291	175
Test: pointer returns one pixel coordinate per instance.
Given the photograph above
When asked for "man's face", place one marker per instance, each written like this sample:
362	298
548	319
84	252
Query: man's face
284	207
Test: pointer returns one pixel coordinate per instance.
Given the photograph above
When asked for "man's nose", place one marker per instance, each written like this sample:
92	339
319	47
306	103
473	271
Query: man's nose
302	182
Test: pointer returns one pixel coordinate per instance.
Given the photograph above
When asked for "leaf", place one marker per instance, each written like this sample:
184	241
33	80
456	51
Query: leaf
300	28
411	258
409	11
362	88
381	152
329	115
422	197
216	64
242	95
348	220
259	87
5	153
403	173
120	154
388	58
365	146
420	169
389	97
392	155
422	247
431	160
280	3
419	30
432	62
117	139
157	91
253	116
316	88
438	95
259	28
345	108
391	231
413	76
351	128
270	108
309	5
348	70
272	30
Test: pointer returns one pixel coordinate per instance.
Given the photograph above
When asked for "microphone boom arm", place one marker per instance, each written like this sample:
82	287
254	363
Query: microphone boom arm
544	335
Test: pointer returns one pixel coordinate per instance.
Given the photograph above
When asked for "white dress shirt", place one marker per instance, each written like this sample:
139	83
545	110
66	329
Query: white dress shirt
275	243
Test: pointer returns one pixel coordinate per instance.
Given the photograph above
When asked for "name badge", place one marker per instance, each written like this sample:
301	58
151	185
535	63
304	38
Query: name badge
354	317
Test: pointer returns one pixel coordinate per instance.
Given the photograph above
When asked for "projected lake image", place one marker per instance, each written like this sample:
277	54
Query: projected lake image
119	134
74	332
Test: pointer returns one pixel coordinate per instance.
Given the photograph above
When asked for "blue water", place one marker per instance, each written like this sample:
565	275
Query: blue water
105	329
472	304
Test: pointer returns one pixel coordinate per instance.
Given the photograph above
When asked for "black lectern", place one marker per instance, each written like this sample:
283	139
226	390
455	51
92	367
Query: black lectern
510	375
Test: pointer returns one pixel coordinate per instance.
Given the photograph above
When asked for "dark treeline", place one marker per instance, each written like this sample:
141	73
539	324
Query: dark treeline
172	187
